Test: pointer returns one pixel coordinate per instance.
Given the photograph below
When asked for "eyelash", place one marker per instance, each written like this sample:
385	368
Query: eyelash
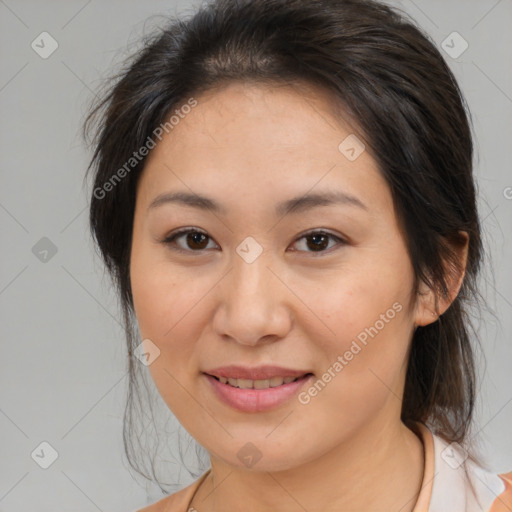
169	240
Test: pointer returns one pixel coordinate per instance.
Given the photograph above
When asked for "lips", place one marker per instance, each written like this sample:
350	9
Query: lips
256	373
256	389
273	382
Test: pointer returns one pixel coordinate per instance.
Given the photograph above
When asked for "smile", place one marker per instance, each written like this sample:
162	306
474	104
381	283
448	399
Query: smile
256	395
256	384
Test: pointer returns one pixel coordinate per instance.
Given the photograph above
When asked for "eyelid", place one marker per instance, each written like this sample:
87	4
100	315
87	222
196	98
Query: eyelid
341	241
169	239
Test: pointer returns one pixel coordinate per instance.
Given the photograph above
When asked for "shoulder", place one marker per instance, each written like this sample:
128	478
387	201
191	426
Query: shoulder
462	484
453	481
503	502
177	502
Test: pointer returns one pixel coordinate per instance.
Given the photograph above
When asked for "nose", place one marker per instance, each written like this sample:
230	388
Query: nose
254	304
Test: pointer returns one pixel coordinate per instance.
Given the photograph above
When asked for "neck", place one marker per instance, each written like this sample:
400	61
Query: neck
379	468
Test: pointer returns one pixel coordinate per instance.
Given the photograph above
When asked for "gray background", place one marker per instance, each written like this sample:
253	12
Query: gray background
62	370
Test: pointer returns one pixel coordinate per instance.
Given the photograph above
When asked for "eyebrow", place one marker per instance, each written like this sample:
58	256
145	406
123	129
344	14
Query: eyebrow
295	205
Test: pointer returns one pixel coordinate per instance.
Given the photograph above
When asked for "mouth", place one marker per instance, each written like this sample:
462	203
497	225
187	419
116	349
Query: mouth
272	382
256	389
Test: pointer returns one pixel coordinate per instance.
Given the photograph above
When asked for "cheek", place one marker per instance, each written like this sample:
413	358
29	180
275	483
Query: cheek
367	339
360	306
164	306
163	295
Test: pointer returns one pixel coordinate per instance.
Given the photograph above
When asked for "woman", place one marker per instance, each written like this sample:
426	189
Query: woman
283	194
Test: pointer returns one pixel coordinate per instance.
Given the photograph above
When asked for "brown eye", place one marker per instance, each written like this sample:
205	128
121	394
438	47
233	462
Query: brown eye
318	241
195	240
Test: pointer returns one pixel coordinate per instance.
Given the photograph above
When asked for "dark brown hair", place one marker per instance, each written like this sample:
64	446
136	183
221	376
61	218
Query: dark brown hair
391	80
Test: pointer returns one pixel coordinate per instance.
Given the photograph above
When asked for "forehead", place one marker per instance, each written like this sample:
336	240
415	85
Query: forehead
258	139
277	117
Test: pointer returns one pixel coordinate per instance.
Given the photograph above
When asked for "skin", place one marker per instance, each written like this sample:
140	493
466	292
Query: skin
249	147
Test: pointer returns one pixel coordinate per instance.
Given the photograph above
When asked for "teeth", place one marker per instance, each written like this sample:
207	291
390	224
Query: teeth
257	384
260	384
276	381
243	383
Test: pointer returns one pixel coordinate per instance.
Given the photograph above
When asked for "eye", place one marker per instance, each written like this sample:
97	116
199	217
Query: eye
196	240
320	240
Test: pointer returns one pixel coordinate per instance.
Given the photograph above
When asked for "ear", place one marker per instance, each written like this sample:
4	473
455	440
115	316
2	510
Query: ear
431	303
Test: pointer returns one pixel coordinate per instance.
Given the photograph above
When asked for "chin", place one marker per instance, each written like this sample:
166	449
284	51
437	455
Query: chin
259	456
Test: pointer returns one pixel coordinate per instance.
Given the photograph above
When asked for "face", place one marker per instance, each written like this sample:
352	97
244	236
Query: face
253	291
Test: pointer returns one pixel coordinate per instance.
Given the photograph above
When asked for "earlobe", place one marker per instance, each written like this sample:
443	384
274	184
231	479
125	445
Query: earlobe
431	304
426	306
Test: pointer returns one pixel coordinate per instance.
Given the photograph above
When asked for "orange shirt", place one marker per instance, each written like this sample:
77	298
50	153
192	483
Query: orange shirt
451	483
